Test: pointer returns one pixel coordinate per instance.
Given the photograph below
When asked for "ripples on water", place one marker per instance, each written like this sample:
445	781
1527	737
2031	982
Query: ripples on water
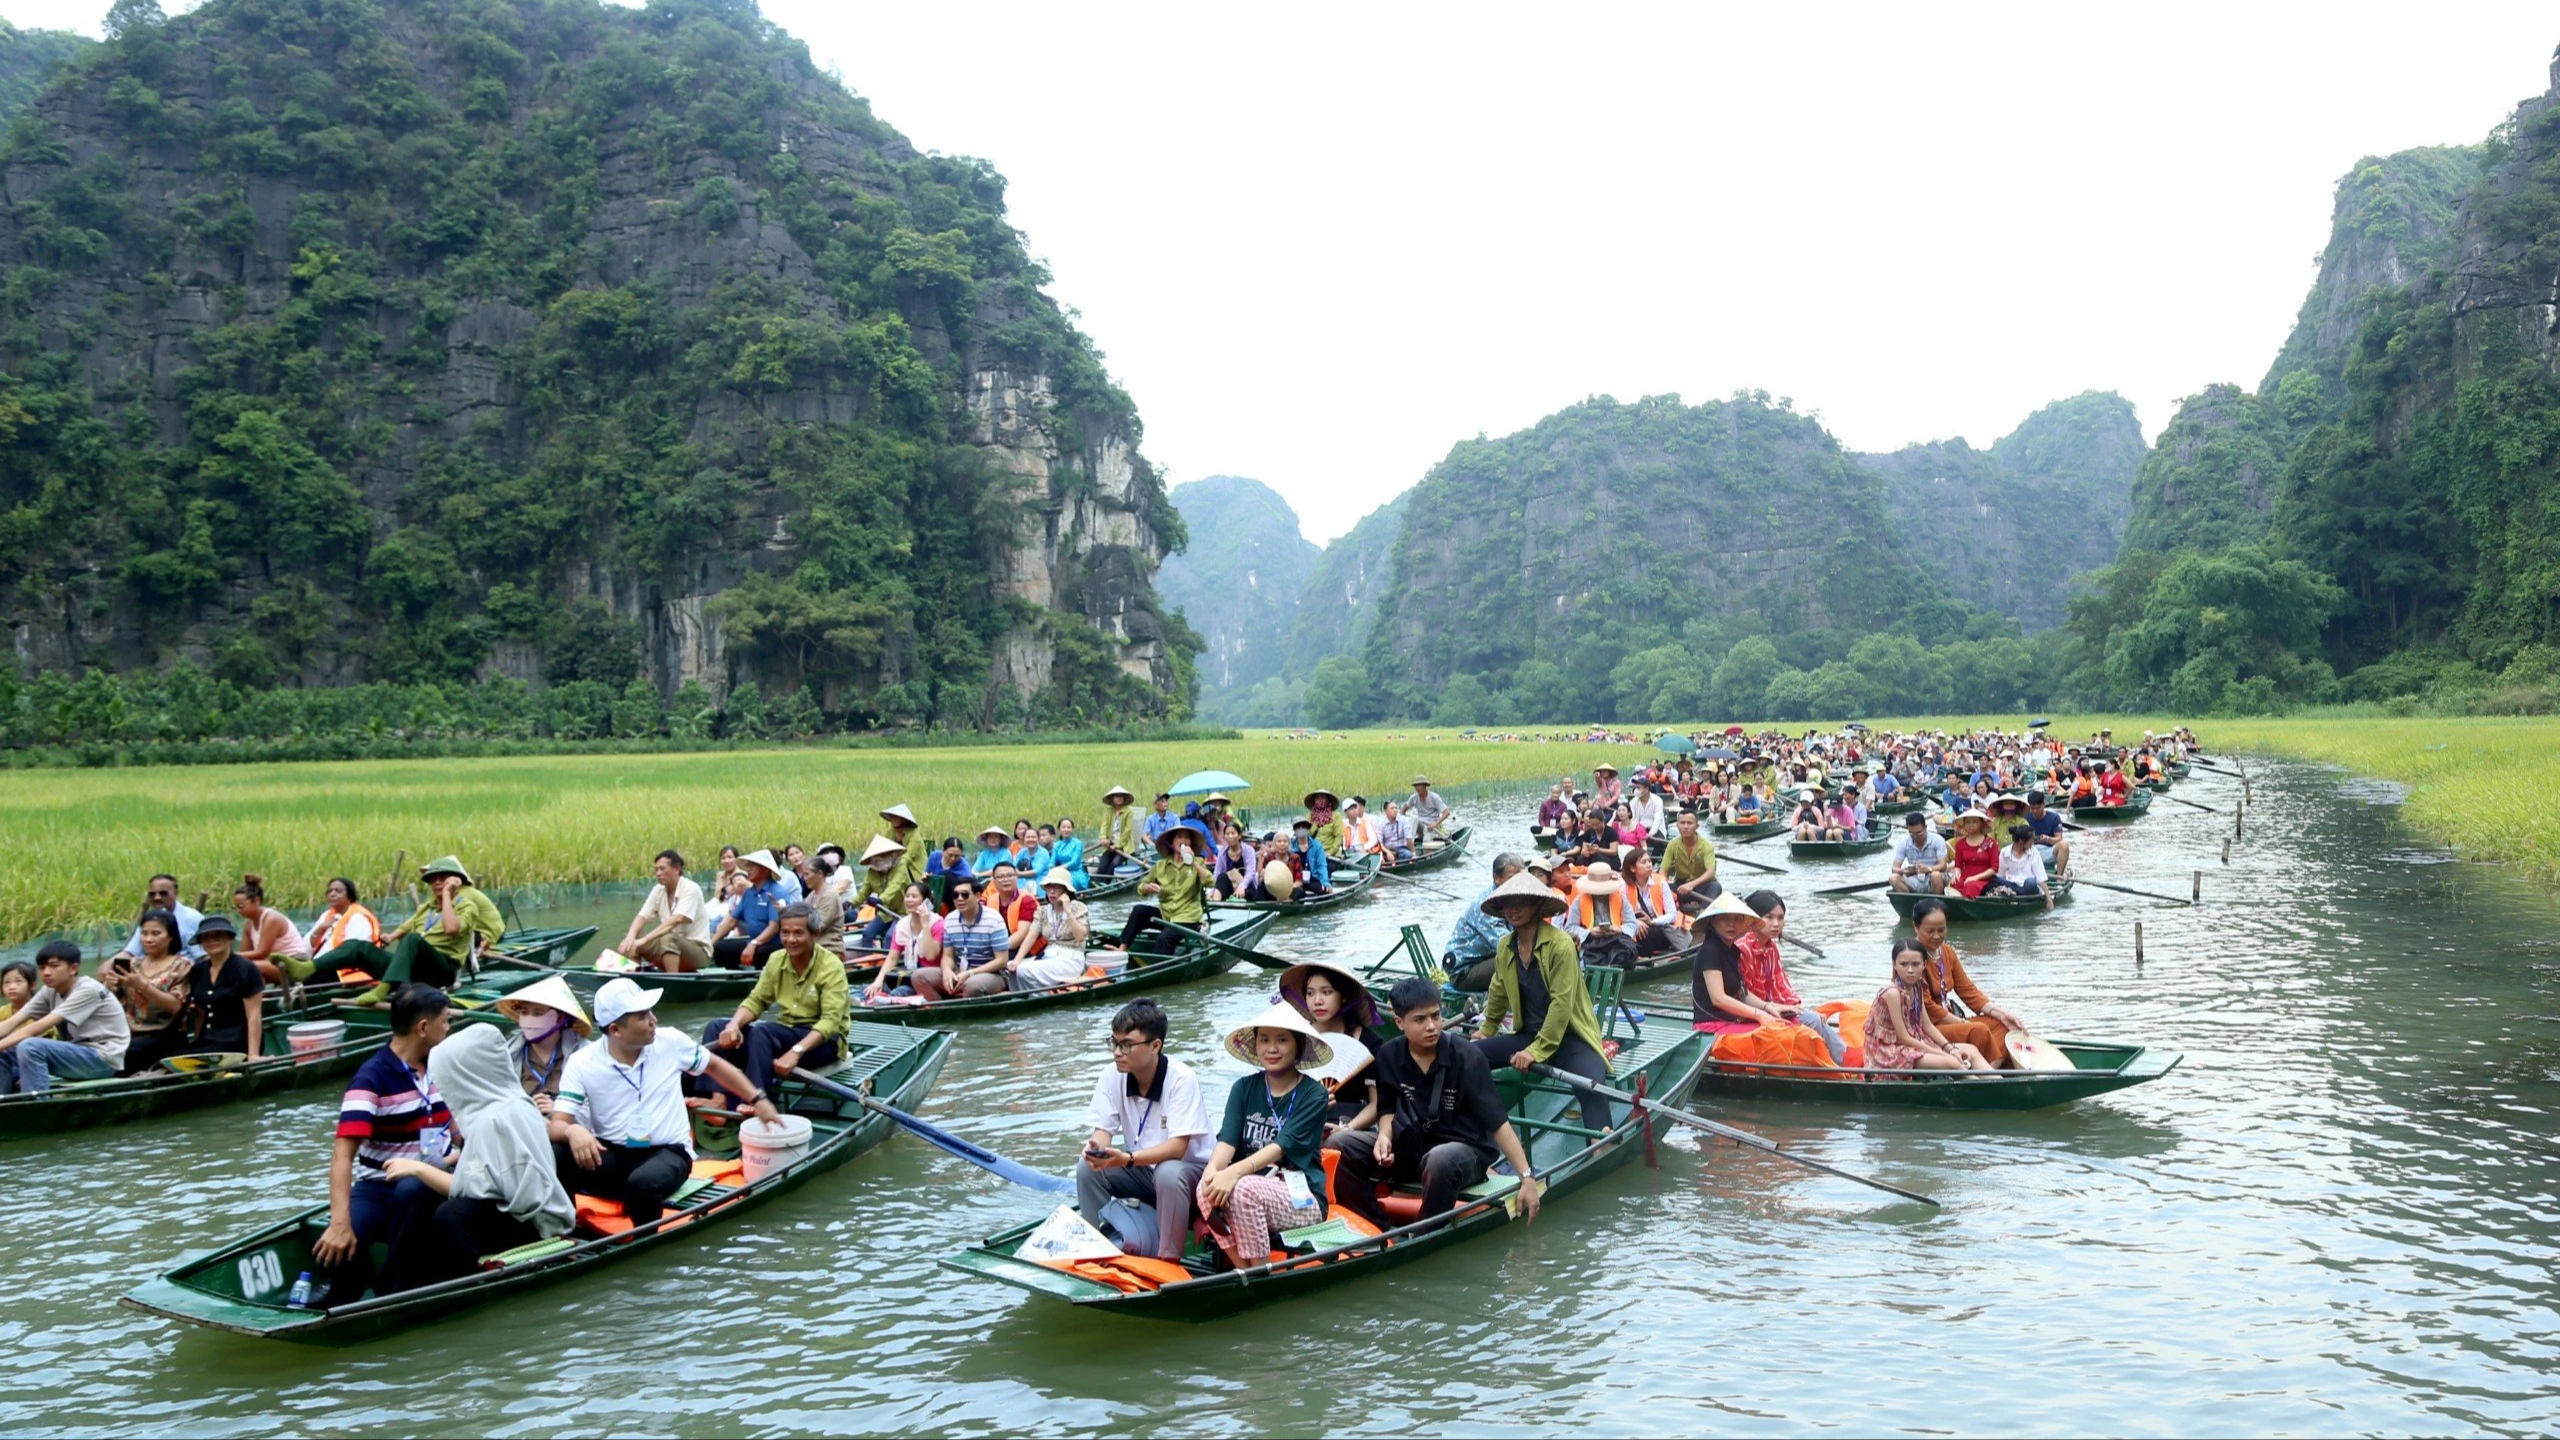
2335	1216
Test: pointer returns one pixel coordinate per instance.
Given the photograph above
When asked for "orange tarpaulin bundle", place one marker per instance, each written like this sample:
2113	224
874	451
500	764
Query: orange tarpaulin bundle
721	1172
1127	1274
1773	1045
1851	1018
600	1215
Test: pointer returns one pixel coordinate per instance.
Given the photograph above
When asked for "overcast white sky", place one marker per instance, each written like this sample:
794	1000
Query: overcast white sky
1319	244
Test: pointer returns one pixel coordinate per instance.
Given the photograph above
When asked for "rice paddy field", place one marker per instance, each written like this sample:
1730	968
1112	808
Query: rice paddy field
76	845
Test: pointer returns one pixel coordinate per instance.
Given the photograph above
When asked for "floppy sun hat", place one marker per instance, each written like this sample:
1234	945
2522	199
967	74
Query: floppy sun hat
1312	1049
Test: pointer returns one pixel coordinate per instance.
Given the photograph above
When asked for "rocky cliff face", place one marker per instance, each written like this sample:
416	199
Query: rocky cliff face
1238	581
28	60
2007	528
1338	606
1560	542
357	340
2393	223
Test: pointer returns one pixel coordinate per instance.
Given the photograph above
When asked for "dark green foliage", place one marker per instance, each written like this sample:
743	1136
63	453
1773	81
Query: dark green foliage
1589	543
452	400
2007	528
2212	478
29	60
1240	578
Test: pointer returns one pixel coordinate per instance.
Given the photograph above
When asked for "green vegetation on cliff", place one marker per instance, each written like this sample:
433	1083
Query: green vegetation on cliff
347	340
28	61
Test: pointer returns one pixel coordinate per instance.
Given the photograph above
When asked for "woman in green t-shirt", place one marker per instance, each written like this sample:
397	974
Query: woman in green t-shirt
1267	1174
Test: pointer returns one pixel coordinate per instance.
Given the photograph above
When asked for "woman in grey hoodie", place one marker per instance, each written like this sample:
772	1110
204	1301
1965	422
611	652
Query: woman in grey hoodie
505	1190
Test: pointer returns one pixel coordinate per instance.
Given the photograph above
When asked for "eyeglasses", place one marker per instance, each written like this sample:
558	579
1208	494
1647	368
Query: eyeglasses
1124	1047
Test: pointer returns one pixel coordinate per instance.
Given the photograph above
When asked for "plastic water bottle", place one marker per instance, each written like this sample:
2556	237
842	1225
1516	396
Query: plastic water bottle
300	1296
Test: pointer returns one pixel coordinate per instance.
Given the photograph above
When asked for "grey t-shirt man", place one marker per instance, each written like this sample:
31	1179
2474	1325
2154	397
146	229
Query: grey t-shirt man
1926	855
90	1017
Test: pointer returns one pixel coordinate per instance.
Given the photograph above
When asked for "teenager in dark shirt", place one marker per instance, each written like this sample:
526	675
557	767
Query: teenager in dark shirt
1440	1118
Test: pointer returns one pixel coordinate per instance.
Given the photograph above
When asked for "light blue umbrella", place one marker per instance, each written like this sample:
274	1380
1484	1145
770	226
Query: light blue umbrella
1201	782
1675	744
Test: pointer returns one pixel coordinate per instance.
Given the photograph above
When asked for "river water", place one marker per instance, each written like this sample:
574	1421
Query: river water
2336	1216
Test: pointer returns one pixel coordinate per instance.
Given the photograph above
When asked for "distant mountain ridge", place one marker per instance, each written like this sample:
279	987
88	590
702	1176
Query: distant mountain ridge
1239	581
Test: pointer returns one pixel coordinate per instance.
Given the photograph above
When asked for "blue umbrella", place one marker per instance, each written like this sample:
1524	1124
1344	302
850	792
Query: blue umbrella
2038	723
1201	782
1675	744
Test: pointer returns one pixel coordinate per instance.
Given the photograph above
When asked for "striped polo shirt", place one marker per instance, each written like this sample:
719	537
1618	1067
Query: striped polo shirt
394	1113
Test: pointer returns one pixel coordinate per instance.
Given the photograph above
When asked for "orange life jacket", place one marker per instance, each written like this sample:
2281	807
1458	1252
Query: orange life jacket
1582	909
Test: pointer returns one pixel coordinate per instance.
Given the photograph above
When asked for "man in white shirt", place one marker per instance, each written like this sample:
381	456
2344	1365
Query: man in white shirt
1920	861
670	929
92	1029
1646	809
1151	1103
619	1128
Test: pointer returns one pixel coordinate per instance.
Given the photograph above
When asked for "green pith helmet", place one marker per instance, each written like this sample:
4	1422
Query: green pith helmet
444	865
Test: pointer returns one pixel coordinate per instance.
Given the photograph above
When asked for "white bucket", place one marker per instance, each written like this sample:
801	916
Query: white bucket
313	1040
767	1148
1112	963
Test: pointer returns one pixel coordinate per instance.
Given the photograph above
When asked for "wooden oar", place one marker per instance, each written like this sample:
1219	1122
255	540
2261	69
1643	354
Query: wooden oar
2190	804
1418	885
1756	865
2129	890
1739	1137
1266	961
2216	769
978	1155
1854	889
1806	946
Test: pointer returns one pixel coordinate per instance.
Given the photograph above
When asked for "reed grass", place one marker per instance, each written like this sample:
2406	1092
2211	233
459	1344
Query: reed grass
2489	787
77	845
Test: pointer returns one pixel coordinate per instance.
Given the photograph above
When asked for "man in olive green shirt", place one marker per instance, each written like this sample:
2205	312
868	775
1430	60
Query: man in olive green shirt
1175	892
1537	974
812	1006
910	868
431	947
1689	861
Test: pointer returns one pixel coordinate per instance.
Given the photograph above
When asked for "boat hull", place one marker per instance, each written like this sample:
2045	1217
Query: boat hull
1988	907
196	1292
1669	1064
2104	1068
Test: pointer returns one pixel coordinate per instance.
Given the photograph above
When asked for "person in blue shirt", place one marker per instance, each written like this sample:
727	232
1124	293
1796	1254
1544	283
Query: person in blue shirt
2046	825
753	927
162	894
1468	957
995	847
1886	786
1159	820
1030	857
1067	850
1309	857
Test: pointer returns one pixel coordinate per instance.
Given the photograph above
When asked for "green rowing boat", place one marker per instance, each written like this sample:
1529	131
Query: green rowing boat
1742	833
1563	1152
1868	842
1202	953
190	1082
2136	803
2099	1069
1120	882
1309	904
243	1287
1987	907
1451	846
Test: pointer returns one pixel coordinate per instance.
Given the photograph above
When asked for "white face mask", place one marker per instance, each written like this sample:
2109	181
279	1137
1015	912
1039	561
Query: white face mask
542	1025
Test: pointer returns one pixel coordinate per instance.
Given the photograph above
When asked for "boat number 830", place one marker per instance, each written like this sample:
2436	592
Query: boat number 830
261	1274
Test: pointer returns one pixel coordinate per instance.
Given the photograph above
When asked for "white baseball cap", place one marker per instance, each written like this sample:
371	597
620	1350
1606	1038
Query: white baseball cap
622	996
